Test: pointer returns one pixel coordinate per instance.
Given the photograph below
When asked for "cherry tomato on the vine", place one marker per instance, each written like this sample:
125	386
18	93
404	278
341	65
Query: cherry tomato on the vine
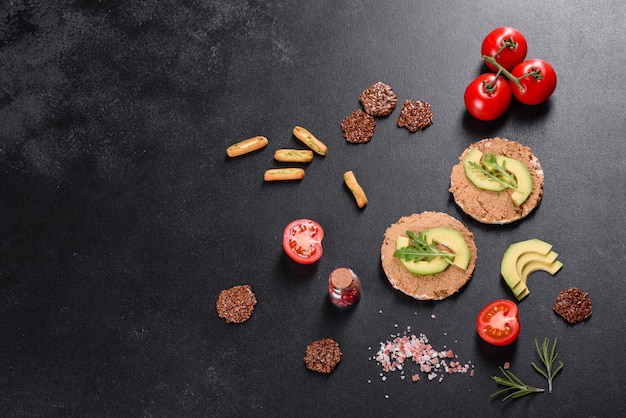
498	322
302	241
538	81
506	45
487	97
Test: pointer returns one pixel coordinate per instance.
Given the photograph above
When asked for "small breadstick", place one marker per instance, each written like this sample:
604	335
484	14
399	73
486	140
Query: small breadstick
355	188
294	155
278	174
246	146
309	140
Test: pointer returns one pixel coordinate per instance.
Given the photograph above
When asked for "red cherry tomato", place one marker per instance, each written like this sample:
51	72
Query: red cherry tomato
486	99
498	322
302	241
506	45
538	80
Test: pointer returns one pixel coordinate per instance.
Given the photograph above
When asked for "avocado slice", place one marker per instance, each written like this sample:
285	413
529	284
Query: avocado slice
479	179
517	168
526	265
551	268
508	267
527	261
522	176
448	237
523	258
454	240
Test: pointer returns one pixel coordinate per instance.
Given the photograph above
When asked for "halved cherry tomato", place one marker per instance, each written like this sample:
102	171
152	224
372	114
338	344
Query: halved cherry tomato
487	97
302	241
538	80
498	322
506	45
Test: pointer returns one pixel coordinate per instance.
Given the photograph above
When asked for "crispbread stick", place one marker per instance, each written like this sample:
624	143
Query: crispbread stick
246	146
293	155
355	188
310	141
278	174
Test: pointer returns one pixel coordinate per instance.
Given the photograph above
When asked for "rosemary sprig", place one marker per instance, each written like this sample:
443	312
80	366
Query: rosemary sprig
548	357
497	173
419	249
514	386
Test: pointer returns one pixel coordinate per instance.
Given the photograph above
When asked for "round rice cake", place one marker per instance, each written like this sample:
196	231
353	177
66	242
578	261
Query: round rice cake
358	127
492	207
430	287
378	99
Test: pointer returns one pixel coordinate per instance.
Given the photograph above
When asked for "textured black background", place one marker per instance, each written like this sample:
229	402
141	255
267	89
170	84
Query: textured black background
121	218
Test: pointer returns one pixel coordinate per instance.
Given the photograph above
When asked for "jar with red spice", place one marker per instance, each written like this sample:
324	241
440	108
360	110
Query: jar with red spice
344	287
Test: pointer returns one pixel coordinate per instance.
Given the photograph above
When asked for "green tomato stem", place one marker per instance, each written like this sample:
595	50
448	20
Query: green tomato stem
502	70
490	88
506	43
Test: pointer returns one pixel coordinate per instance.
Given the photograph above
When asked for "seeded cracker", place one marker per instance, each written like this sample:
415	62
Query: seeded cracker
322	355
415	115
378	99
236	304
573	305
358	127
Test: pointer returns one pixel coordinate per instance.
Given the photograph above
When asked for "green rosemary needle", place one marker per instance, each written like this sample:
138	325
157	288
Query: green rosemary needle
515	388
548	357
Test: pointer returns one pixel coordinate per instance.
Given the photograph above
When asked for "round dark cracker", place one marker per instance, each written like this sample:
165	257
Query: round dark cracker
236	304
431	287
491	207
322	355
415	115
358	127
379	99
573	305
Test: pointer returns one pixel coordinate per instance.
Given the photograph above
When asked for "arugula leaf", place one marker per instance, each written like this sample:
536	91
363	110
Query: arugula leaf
419	249
491	169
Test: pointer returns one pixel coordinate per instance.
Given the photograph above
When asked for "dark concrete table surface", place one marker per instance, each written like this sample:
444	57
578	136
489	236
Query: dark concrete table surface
122	218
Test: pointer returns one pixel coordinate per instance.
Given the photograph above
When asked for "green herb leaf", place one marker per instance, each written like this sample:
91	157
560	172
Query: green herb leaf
419	249
515	388
548	357
491	169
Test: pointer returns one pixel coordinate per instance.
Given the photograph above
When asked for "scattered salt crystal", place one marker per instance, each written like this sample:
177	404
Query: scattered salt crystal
403	349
